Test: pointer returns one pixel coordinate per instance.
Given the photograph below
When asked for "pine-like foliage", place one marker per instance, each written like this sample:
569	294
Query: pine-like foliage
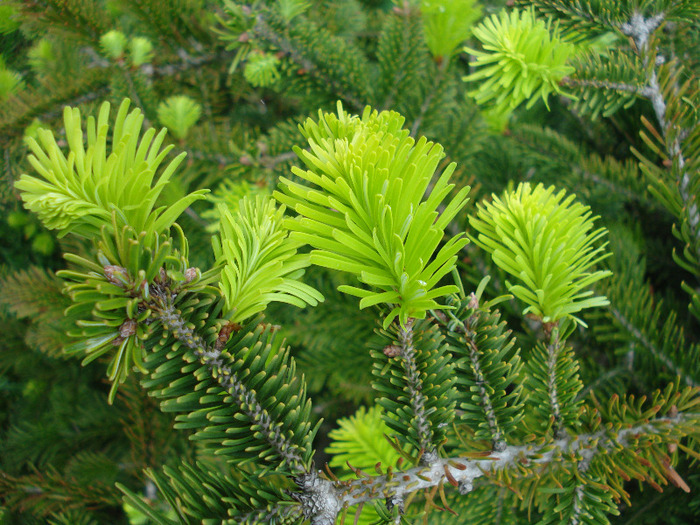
545	372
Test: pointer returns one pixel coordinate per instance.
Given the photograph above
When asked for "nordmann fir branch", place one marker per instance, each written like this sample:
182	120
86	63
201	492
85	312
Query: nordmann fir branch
465	329
407	354
641	29
554	348
171	319
463	471
652	347
264	30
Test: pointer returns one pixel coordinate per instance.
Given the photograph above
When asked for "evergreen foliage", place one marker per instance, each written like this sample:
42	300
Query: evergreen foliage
546	372
369	216
526	59
545	241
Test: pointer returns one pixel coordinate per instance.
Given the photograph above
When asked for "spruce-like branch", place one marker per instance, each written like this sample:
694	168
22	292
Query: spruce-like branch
246	399
407	354
554	348
642	29
487	370
462	471
658	353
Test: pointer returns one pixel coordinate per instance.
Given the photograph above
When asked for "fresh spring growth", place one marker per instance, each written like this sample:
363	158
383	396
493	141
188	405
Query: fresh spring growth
260	262
290	9
41	55
79	192
113	43
141	50
109	297
360	440
369	211
10	81
546	241
179	114
230	195
447	23
523	58
261	69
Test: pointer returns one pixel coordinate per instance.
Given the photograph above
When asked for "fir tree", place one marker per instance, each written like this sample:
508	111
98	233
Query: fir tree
425	242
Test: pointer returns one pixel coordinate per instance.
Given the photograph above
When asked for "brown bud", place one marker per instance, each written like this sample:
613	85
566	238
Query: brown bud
191	274
392	350
246	160
244	37
473	301
225	333
673	476
128	328
117	275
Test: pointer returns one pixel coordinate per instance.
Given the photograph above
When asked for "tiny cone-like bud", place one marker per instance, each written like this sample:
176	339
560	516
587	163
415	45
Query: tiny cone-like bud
191	274
473	301
117	275
391	350
127	328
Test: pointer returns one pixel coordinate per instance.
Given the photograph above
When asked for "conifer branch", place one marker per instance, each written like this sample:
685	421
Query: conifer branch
584	447
465	328
656	352
641	29
417	399
437	79
264	30
606	84
406	49
50	491
23	110
498	442
171	319
554	348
